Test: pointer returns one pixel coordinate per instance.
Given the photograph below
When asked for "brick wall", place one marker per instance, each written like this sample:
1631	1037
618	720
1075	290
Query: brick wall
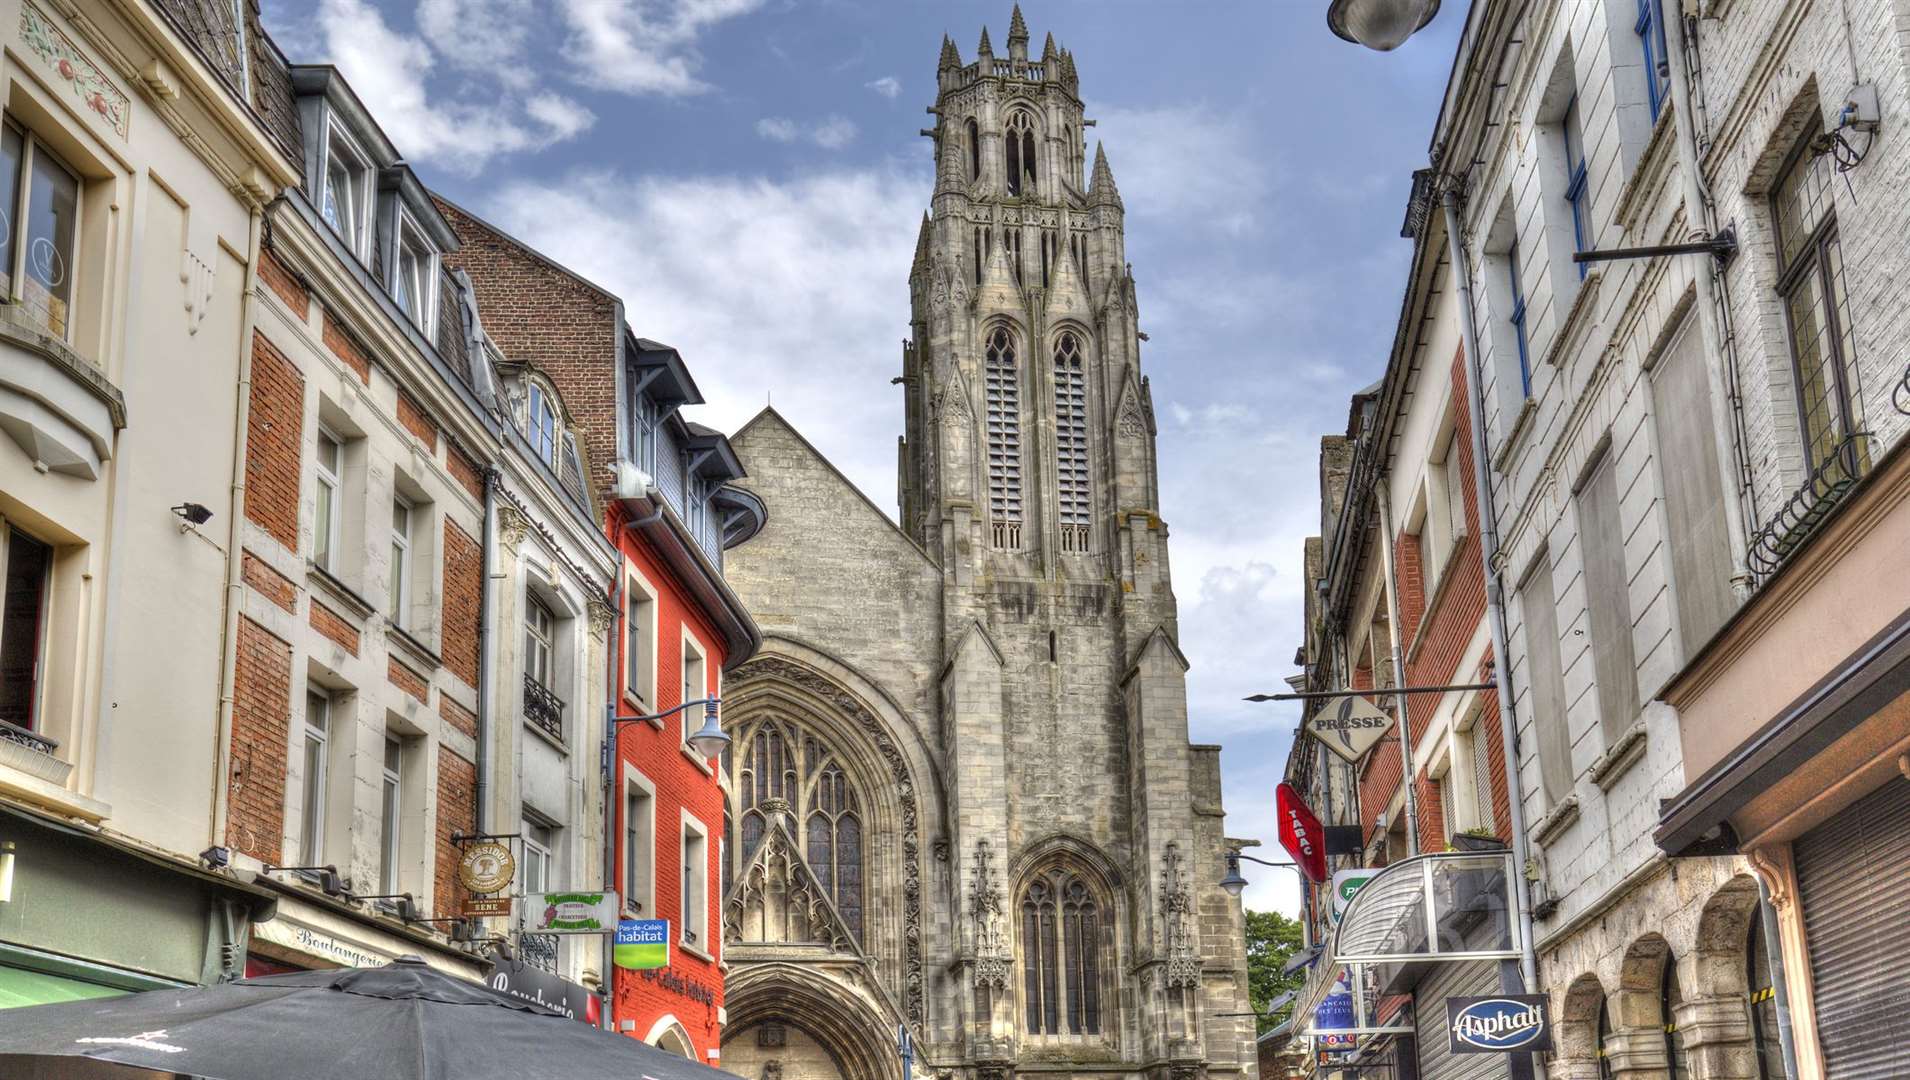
464	470
283	282
261	727
269	583
457	812
416	420
457	715
274	437
542	315
407	680
334	627
463	601
347	349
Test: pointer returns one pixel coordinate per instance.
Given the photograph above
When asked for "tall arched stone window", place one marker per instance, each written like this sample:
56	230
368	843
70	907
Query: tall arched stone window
793	777
1076	504
1020	147
1063	924
974	150
1003	394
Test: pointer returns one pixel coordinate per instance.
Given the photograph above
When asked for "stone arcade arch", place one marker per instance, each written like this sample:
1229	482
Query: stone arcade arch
790	1021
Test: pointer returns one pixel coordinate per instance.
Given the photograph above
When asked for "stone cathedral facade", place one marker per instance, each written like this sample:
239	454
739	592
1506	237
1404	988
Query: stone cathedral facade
962	795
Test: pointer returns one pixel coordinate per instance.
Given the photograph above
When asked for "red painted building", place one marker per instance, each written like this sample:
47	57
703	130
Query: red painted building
663	485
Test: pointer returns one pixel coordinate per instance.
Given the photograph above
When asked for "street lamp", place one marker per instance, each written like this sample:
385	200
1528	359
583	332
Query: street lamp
1236	884
1383	25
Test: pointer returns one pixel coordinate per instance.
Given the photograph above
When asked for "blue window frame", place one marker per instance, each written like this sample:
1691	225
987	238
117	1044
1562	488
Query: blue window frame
1575	186
1518	319
1650	28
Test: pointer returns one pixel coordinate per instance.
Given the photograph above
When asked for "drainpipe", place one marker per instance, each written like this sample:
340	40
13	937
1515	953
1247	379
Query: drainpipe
487	647
1380	495
1720	344
1495	597
1767	919
234	555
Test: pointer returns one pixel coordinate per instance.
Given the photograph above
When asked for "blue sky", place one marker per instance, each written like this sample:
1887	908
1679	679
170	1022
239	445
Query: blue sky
747	174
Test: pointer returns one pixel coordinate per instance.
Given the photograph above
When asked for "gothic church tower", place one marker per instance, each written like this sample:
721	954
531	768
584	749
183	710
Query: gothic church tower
991	697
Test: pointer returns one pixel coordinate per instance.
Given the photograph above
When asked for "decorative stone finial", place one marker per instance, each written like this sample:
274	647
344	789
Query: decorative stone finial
1101	187
1048	51
951	58
985	49
1017	27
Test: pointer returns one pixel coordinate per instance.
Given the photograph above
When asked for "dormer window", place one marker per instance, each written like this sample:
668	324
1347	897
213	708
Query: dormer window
542	429
346	201
414	277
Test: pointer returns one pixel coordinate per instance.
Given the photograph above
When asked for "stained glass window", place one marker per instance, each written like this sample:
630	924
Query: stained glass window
1060	946
789	775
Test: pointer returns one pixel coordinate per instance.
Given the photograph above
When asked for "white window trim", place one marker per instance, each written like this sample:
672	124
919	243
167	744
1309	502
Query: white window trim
391	827
312	818
31	147
634	778
334	130
335	482
527	819
401	555
636	582
540	398
693	824
689	721
427	304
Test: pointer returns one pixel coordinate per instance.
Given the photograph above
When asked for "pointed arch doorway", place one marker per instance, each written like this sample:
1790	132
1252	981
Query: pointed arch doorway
793	1022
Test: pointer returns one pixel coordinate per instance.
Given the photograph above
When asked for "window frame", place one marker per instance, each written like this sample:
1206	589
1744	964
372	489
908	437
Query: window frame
1813	263
337	134
693	936
1517	318
540	855
315	796
32	146
1073	453
641	608
689	721
391	813
1577	185
398	578
540	643
630	886
37	695
327	498
1650	28
423	310
1078	1013
1001	380
546	440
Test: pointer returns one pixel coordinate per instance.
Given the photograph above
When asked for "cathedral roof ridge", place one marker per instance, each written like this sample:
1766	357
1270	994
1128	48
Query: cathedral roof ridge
769	413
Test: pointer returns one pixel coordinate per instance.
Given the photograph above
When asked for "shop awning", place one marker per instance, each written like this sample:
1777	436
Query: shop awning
1449	906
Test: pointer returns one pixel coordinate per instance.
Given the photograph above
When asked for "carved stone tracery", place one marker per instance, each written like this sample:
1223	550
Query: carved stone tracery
776	668
993	960
1177	910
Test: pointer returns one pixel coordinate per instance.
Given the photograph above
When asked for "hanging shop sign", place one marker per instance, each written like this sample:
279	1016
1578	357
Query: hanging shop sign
1498	1025
1334	1018
570	913
1345	884
1300	833
641	944
487	867
485	907
1350	726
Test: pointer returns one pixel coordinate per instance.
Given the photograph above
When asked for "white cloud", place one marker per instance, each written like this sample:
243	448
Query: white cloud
643	46
389	71
1191	162
887	86
833	133
481	35
777	129
788	290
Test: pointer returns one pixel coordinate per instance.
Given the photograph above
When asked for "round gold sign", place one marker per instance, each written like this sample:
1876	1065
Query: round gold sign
487	867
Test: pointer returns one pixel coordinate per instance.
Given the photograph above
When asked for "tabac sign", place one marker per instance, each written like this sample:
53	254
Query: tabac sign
1349	726
1300	833
1497	1025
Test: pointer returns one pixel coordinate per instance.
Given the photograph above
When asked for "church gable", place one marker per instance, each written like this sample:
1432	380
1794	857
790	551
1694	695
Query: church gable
777	900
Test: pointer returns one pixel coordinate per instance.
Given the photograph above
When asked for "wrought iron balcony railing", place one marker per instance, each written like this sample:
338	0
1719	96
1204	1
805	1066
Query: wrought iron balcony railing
1795	521
539	951
543	708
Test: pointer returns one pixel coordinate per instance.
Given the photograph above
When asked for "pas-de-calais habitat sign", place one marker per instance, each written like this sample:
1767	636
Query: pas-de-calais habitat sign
641	944
1300	833
1503	1024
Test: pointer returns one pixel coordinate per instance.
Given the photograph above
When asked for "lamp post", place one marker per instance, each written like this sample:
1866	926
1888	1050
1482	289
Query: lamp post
1234	883
709	741
1382	25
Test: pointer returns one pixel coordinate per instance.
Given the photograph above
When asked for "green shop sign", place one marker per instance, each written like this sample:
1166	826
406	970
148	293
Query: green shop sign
570	912
642	944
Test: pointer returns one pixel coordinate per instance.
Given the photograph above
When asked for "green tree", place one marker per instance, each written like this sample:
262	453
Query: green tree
1272	939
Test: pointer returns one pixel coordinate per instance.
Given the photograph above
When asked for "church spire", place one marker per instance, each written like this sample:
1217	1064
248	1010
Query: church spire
1101	187
922	242
1017	28
1048	51
985	49
951	58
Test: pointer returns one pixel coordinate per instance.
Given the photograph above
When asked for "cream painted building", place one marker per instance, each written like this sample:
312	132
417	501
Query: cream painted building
138	156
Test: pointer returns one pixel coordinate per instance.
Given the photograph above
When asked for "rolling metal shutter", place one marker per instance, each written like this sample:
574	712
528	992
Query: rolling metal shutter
1853	880
1436	1062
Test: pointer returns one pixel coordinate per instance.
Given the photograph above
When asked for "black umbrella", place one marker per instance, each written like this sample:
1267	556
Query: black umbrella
403	1021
